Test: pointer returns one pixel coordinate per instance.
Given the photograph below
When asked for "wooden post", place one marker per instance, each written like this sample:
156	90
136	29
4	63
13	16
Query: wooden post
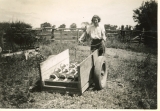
26	82
75	54
77	34
1	40
52	33
122	32
61	35
130	34
0	54
141	36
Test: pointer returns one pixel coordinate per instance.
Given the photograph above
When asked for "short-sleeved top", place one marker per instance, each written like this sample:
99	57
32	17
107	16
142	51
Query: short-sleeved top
96	32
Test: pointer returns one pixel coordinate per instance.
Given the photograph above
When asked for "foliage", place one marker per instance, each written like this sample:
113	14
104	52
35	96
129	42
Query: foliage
84	24
46	24
110	27
18	34
54	26
146	15
4	26
62	26
73	25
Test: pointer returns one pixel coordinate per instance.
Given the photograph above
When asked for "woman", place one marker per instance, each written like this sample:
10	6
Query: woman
96	33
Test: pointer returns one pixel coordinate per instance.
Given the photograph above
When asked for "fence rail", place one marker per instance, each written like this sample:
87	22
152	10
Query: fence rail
41	35
132	36
148	38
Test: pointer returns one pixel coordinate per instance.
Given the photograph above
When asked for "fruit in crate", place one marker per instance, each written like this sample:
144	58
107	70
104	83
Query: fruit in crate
65	70
72	71
62	76
62	66
73	65
57	70
61	72
73	76
53	76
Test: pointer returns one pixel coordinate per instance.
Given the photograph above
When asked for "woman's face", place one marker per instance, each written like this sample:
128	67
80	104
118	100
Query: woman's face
95	21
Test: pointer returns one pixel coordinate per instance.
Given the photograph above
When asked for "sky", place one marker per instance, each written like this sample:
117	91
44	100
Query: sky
57	12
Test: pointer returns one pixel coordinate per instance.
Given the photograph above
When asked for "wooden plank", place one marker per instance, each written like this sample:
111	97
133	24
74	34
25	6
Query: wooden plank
61	83
46	70
86	85
44	34
51	61
63	28
134	41
47	67
77	35
16	53
86	69
62	89
51	56
40	75
135	37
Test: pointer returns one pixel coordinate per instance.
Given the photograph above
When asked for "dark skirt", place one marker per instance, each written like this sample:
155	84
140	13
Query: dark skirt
98	44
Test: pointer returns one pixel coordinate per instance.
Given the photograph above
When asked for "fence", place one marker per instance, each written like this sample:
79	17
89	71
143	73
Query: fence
149	38
43	34
65	33
112	33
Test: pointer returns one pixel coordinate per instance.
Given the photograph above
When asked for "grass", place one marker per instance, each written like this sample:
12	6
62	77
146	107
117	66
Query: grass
114	42
131	84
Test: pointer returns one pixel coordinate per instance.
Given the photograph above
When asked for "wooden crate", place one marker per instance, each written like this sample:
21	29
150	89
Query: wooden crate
85	73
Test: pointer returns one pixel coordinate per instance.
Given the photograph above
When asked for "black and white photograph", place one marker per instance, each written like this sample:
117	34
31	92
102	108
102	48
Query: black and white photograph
79	54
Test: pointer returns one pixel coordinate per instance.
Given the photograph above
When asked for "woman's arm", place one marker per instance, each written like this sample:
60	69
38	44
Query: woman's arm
103	34
82	37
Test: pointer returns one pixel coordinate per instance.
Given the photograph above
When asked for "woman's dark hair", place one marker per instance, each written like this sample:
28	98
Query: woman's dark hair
96	16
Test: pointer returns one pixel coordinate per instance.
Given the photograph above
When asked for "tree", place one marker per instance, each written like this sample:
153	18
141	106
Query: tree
113	27
62	26
84	24
107	26
46	24
18	34
146	16
4	26
54	26
73	25
110	27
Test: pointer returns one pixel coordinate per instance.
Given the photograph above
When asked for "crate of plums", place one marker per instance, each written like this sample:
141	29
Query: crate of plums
60	75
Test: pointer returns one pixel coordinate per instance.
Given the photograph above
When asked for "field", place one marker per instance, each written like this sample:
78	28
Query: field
67	35
131	82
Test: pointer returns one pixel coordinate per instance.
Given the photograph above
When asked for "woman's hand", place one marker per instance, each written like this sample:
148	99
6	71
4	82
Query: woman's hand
104	38
80	40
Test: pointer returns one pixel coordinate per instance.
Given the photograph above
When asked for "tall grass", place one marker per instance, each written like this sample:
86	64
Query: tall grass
18	75
114	42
